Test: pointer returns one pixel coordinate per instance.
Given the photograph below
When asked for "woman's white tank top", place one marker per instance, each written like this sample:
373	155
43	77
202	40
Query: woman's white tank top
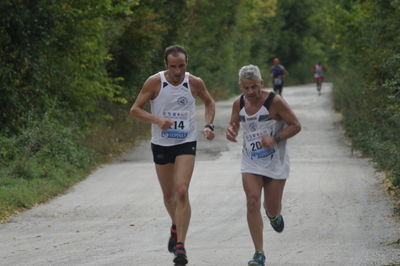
178	104
256	159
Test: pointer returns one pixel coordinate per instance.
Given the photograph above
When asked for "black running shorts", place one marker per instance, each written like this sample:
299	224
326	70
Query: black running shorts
167	154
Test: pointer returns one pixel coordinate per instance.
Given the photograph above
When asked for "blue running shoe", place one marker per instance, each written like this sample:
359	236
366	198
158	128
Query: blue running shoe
277	223
258	259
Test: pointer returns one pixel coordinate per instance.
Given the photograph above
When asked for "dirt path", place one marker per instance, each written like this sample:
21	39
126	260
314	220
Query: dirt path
335	210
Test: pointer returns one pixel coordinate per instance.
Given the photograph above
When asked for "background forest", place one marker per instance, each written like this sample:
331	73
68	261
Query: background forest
71	69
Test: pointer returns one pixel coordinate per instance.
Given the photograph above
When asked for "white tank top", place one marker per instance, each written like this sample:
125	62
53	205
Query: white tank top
318	71
178	104
256	159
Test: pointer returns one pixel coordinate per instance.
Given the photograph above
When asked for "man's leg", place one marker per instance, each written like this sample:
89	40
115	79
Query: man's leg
183	171
275	88
320	84
252	185
165	175
273	191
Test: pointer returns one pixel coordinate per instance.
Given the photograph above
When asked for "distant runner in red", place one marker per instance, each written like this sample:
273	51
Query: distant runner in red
318	70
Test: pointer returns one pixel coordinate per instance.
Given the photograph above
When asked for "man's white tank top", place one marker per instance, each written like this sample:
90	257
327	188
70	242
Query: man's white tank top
256	159
178	104
319	71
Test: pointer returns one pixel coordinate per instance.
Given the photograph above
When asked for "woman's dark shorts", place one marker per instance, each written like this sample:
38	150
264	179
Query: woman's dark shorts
167	154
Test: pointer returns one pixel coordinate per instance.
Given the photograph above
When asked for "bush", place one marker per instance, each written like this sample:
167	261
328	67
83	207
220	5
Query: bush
367	92
43	160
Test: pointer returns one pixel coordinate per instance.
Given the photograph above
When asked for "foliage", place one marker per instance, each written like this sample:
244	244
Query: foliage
44	159
53	51
368	90
53	82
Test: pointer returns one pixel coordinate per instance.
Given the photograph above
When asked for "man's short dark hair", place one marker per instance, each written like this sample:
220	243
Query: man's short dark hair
174	50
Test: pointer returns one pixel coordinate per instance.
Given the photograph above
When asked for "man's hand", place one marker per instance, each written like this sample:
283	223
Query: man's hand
165	123
208	133
268	142
231	134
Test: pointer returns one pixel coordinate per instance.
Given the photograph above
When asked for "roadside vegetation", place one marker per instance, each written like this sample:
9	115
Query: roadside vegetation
367	83
71	69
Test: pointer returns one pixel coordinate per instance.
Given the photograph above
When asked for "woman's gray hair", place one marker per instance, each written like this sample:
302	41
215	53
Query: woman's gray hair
250	72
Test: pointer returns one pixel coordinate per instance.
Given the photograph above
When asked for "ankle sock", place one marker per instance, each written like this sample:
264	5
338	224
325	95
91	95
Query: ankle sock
180	245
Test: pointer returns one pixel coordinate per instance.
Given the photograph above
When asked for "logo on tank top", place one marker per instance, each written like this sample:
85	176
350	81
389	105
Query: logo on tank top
182	100
253	126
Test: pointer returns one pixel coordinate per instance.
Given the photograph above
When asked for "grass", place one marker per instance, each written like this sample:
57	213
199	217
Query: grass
17	194
48	157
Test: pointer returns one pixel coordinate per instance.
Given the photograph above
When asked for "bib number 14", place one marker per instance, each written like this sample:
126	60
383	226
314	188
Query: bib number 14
179	125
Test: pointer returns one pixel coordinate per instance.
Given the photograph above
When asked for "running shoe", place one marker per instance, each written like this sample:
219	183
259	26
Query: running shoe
258	259
180	255
277	223
172	239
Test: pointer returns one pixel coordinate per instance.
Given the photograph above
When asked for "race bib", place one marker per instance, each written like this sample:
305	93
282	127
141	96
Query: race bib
180	128
254	148
277	82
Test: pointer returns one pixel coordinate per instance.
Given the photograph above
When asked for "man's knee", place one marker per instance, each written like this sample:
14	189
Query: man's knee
182	192
169	198
253	203
272	210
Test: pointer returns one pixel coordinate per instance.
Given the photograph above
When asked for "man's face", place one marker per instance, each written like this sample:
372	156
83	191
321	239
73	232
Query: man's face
251	87
176	66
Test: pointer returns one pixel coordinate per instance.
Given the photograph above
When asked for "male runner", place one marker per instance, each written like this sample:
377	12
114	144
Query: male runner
267	122
278	73
318	71
172	96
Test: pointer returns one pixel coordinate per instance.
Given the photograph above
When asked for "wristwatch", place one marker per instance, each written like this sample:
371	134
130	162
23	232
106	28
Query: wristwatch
277	139
210	126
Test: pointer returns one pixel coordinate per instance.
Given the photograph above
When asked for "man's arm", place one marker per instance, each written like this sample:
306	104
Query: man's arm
234	124
199	89
283	112
285	72
147	93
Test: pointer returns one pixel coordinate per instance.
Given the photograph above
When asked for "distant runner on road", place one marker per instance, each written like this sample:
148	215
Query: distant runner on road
267	122
278	73
318	72
172	94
